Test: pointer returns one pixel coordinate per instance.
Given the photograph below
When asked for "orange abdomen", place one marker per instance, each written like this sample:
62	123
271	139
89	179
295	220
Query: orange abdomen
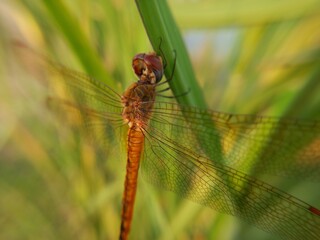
135	147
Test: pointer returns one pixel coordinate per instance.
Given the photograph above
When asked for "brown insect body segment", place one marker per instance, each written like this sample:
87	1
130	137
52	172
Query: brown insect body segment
138	102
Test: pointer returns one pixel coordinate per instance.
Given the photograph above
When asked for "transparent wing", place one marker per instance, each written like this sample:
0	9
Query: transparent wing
174	166
246	142
85	101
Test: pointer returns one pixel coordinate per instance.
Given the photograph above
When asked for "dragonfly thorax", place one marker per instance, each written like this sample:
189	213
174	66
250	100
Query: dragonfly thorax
138	102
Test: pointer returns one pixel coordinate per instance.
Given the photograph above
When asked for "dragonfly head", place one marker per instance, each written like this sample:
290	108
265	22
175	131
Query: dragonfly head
148	67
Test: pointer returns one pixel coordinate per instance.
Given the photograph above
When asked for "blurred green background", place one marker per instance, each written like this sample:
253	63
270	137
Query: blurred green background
256	57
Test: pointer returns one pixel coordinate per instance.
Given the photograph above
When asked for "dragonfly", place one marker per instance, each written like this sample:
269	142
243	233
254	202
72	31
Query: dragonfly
194	152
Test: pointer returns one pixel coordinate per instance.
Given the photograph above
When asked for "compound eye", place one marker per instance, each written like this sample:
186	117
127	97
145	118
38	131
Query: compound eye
138	64
154	63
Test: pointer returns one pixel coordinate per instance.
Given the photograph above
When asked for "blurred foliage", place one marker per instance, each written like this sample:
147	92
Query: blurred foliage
248	57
